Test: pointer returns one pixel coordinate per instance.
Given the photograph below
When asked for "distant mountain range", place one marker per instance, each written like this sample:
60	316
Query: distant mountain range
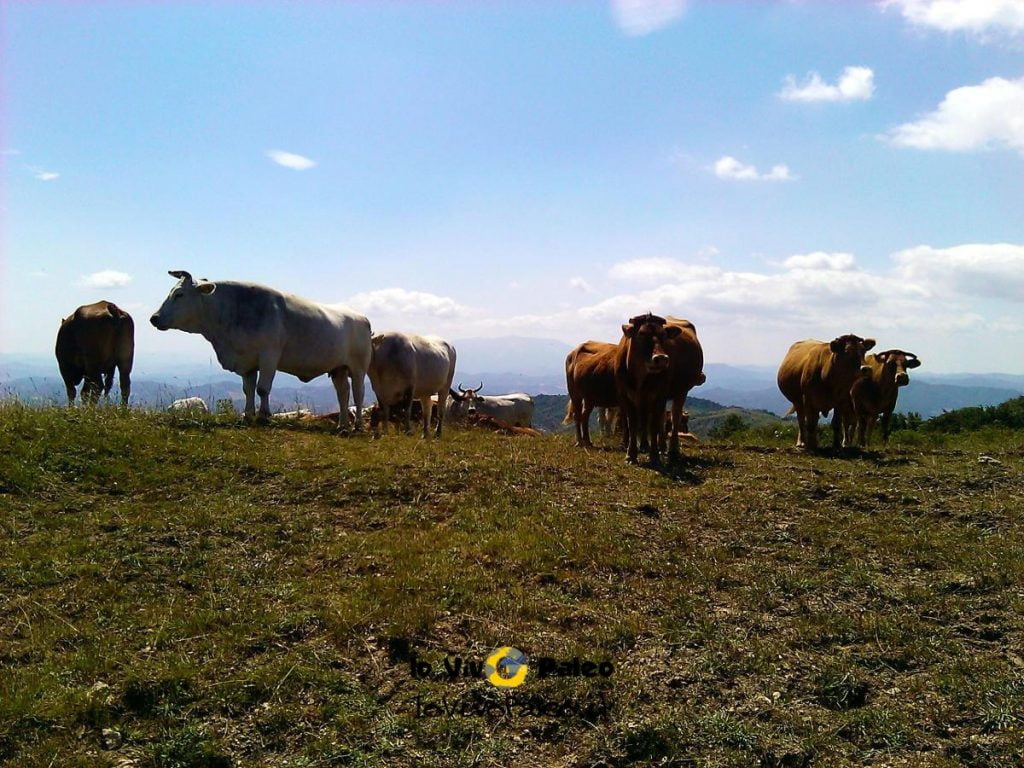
507	364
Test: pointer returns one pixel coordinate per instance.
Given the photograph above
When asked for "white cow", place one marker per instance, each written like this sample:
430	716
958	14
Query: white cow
407	367
257	331
188	405
515	408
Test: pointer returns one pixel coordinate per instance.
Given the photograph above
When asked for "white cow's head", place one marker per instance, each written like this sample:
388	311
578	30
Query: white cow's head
182	309
467	399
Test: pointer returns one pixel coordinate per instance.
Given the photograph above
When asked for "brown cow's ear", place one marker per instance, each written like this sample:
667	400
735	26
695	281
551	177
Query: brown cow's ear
836	345
672	331
206	288
628	329
913	362
868	344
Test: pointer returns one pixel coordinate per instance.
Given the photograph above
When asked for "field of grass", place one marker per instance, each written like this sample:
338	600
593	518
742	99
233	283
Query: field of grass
189	592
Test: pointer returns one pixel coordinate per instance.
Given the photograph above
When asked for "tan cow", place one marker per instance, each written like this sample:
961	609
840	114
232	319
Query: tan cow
816	377
686	362
874	393
91	342
642	377
590	380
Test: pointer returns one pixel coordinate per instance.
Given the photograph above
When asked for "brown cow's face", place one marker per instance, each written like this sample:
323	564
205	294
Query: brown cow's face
849	349
647	335
182	309
895	363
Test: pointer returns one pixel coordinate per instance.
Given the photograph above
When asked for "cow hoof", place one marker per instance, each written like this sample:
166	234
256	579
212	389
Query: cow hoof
631	460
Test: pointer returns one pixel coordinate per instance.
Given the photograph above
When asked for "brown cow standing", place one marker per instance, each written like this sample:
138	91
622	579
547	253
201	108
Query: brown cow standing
590	380
874	393
816	377
686	370
642	377
90	343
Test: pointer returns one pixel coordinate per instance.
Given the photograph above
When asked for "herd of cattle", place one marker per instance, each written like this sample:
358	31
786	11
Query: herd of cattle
256	331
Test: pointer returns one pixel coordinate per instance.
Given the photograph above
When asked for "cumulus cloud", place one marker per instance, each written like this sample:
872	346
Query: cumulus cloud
924	288
728	167
290	160
399	301
641	17
657	270
974	117
980	17
820	260
855	84
984	270
581	285
107	278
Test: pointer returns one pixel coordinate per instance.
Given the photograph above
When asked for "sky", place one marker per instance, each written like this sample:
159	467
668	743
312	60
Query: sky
771	171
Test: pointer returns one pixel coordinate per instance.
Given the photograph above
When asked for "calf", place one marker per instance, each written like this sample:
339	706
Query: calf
874	393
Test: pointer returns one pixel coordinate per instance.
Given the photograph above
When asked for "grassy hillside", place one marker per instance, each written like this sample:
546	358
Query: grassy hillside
179	592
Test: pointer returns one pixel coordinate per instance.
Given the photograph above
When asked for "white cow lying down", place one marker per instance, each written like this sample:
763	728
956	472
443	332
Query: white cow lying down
257	331
188	405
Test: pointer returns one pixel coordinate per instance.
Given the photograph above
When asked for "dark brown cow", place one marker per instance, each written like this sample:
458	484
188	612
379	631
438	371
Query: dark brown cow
874	393
642	379
590	380
816	377
91	342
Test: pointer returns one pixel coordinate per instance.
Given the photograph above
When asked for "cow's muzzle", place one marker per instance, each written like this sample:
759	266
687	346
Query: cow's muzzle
156	324
902	379
658	363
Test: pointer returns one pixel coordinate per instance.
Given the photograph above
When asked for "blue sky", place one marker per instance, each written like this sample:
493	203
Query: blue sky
773	171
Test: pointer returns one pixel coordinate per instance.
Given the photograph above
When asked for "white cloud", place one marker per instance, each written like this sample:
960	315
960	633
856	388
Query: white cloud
290	160
980	17
107	278
973	117
641	17
657	270
984	270
820	260
46	175
399	301
728	167
855	84
581	285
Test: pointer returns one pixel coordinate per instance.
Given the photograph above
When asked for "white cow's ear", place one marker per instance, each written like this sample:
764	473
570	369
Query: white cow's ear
206	288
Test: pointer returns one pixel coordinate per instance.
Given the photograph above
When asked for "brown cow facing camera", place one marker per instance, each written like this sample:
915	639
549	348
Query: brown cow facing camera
874	393
816	377
91	342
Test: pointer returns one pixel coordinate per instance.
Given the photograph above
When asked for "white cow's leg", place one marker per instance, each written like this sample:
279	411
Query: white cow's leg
442	401
340	379
249	389
358	388
425	407
263	387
